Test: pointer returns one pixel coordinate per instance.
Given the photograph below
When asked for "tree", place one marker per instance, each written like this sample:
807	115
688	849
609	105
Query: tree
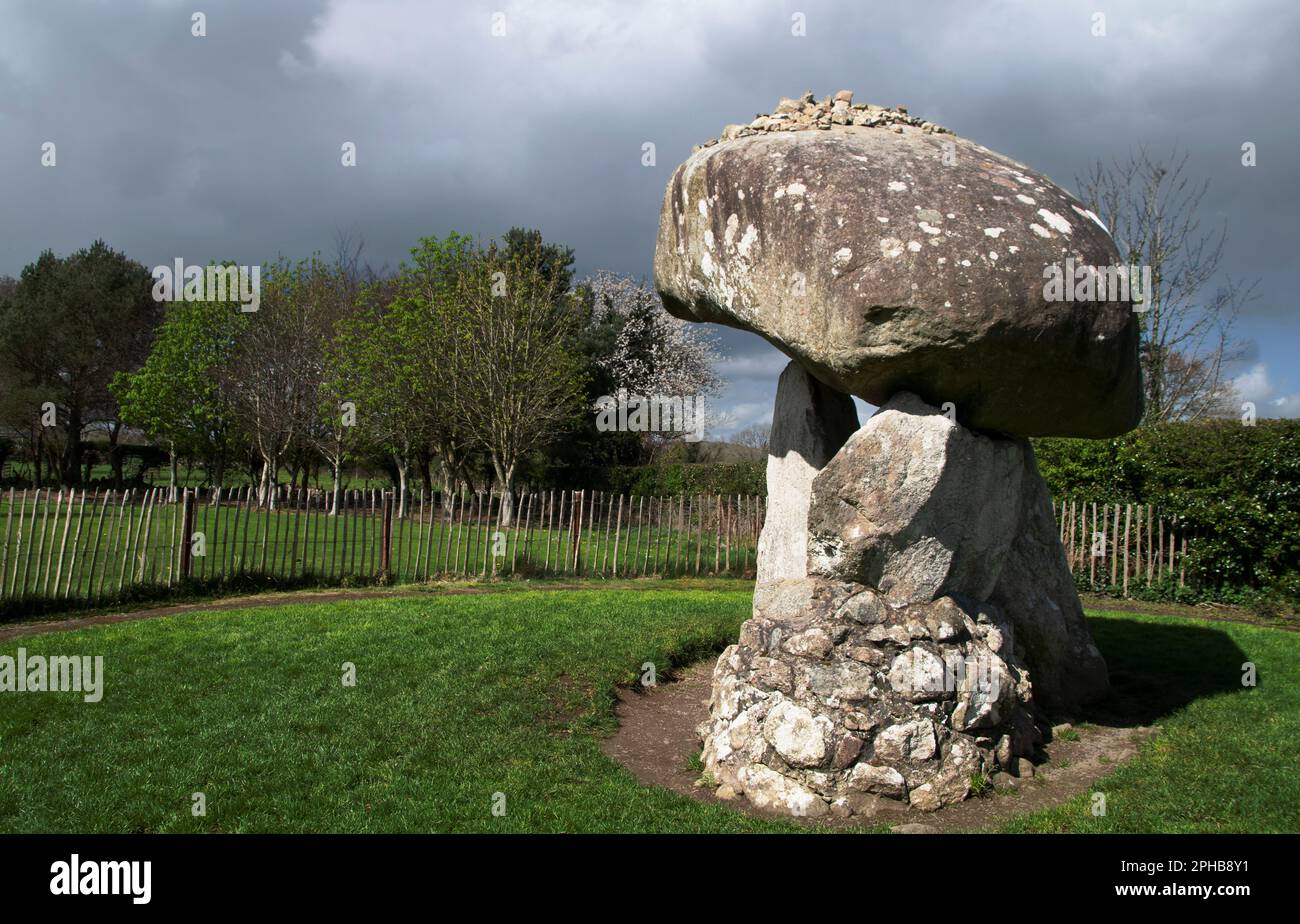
332	429
424	309
755	436
175	396
512	356
1150	207
653	353
277	363
373	363
554	261
68	326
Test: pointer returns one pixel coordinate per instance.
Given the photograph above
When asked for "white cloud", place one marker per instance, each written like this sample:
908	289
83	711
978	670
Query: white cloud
766	366
558	54
1255	385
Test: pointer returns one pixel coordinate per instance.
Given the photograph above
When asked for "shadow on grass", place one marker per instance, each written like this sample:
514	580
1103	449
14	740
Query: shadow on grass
1158	668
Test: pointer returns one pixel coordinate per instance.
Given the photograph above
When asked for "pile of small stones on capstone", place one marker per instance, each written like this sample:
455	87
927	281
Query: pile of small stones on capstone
805	114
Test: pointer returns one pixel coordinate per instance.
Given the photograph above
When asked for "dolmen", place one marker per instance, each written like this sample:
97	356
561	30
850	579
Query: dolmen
915	623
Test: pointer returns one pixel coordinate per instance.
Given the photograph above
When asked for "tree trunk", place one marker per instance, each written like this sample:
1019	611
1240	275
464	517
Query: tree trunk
70	469
266	484
336	466
115	454
37	450
403	468
505	479
171	454
426	477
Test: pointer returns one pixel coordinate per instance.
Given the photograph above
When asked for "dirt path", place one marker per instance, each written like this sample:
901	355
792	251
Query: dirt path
656	741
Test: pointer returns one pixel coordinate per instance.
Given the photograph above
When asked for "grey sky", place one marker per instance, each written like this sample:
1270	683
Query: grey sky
228	147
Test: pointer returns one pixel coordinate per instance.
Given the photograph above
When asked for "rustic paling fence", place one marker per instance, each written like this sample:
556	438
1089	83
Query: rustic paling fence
102	546
78	546
1121	547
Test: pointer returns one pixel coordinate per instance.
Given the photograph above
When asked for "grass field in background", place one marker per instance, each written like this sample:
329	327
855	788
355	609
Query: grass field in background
459	698
51	551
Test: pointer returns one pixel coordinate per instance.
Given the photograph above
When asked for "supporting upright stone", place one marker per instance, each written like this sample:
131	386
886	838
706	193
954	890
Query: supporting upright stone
810	423
917	506
1036	591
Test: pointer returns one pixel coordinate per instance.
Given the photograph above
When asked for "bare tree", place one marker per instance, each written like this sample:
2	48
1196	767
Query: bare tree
277	365
513	358
1151	208
332	431
755	436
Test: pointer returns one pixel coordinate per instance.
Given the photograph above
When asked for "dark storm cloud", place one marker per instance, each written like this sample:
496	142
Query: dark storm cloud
228	146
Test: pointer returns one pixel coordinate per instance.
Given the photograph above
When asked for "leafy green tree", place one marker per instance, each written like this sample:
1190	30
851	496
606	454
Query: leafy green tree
374	376
175	396
424	309
554	262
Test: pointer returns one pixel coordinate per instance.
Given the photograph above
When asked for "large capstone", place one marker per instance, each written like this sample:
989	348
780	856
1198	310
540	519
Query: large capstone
892	258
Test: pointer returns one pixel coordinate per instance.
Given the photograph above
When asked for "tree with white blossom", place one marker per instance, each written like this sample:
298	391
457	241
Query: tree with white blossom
654	353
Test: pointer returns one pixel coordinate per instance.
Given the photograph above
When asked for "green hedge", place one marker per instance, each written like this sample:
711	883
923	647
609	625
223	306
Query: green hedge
689	478
1235	487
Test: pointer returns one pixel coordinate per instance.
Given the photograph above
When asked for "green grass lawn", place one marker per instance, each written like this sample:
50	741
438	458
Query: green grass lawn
1227	758
459	698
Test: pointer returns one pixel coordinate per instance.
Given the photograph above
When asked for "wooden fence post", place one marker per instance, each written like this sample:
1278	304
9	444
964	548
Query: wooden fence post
63	543
1137	538
386	540
1182	562
1160	555
1128	517
575	526
1092	550
187	531
1069	549
717	536
9	528
1114	549
1150	559
94	555
618	528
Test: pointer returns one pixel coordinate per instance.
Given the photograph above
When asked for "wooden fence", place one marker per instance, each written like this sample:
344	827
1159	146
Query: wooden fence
1117	547
98	547
102	546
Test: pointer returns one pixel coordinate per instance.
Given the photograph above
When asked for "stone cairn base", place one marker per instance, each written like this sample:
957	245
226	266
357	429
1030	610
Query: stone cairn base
859	700
930	633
